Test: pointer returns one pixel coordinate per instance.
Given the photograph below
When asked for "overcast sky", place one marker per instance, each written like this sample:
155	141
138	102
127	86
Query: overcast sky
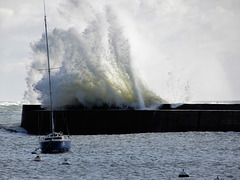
21	23
182	48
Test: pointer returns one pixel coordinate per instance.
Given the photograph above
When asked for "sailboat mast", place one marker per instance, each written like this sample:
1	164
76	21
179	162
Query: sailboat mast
49	68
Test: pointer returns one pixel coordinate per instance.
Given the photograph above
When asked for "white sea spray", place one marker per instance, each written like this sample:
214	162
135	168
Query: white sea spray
92	68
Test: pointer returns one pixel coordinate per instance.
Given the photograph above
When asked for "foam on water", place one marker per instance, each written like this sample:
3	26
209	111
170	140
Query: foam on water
11	103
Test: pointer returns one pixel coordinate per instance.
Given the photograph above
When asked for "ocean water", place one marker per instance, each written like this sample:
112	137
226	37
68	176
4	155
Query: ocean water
204	155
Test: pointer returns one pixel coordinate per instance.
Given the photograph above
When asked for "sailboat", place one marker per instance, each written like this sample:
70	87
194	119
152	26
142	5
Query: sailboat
54	142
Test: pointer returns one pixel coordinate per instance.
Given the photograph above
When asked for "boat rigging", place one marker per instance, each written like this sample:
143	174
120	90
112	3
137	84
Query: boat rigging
55	141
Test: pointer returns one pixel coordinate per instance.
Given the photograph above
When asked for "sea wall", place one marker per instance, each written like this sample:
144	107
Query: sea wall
168	118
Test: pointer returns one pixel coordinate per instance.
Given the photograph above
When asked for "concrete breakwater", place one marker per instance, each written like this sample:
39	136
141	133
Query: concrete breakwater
167	118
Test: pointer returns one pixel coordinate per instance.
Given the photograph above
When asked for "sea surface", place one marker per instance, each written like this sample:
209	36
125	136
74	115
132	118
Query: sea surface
203	155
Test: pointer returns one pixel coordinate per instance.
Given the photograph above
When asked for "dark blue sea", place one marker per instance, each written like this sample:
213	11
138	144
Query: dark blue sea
160	156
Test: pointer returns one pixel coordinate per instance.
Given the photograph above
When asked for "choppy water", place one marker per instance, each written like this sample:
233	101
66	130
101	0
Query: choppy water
204	155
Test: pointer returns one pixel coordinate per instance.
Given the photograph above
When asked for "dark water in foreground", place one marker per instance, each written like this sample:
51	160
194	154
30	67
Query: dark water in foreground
204	155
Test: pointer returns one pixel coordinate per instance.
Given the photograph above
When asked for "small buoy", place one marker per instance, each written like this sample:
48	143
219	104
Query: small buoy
183	174
35	151
218	178
66	162
37	158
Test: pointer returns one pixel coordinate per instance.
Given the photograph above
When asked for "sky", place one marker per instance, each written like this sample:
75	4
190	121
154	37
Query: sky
184	50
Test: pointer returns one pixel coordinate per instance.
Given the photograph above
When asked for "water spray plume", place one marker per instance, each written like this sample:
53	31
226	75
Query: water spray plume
96	68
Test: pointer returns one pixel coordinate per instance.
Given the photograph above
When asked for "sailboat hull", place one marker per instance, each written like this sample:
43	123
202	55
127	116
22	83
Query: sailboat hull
55	146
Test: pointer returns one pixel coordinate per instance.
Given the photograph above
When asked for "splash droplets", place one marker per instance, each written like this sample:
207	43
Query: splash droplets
95	68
